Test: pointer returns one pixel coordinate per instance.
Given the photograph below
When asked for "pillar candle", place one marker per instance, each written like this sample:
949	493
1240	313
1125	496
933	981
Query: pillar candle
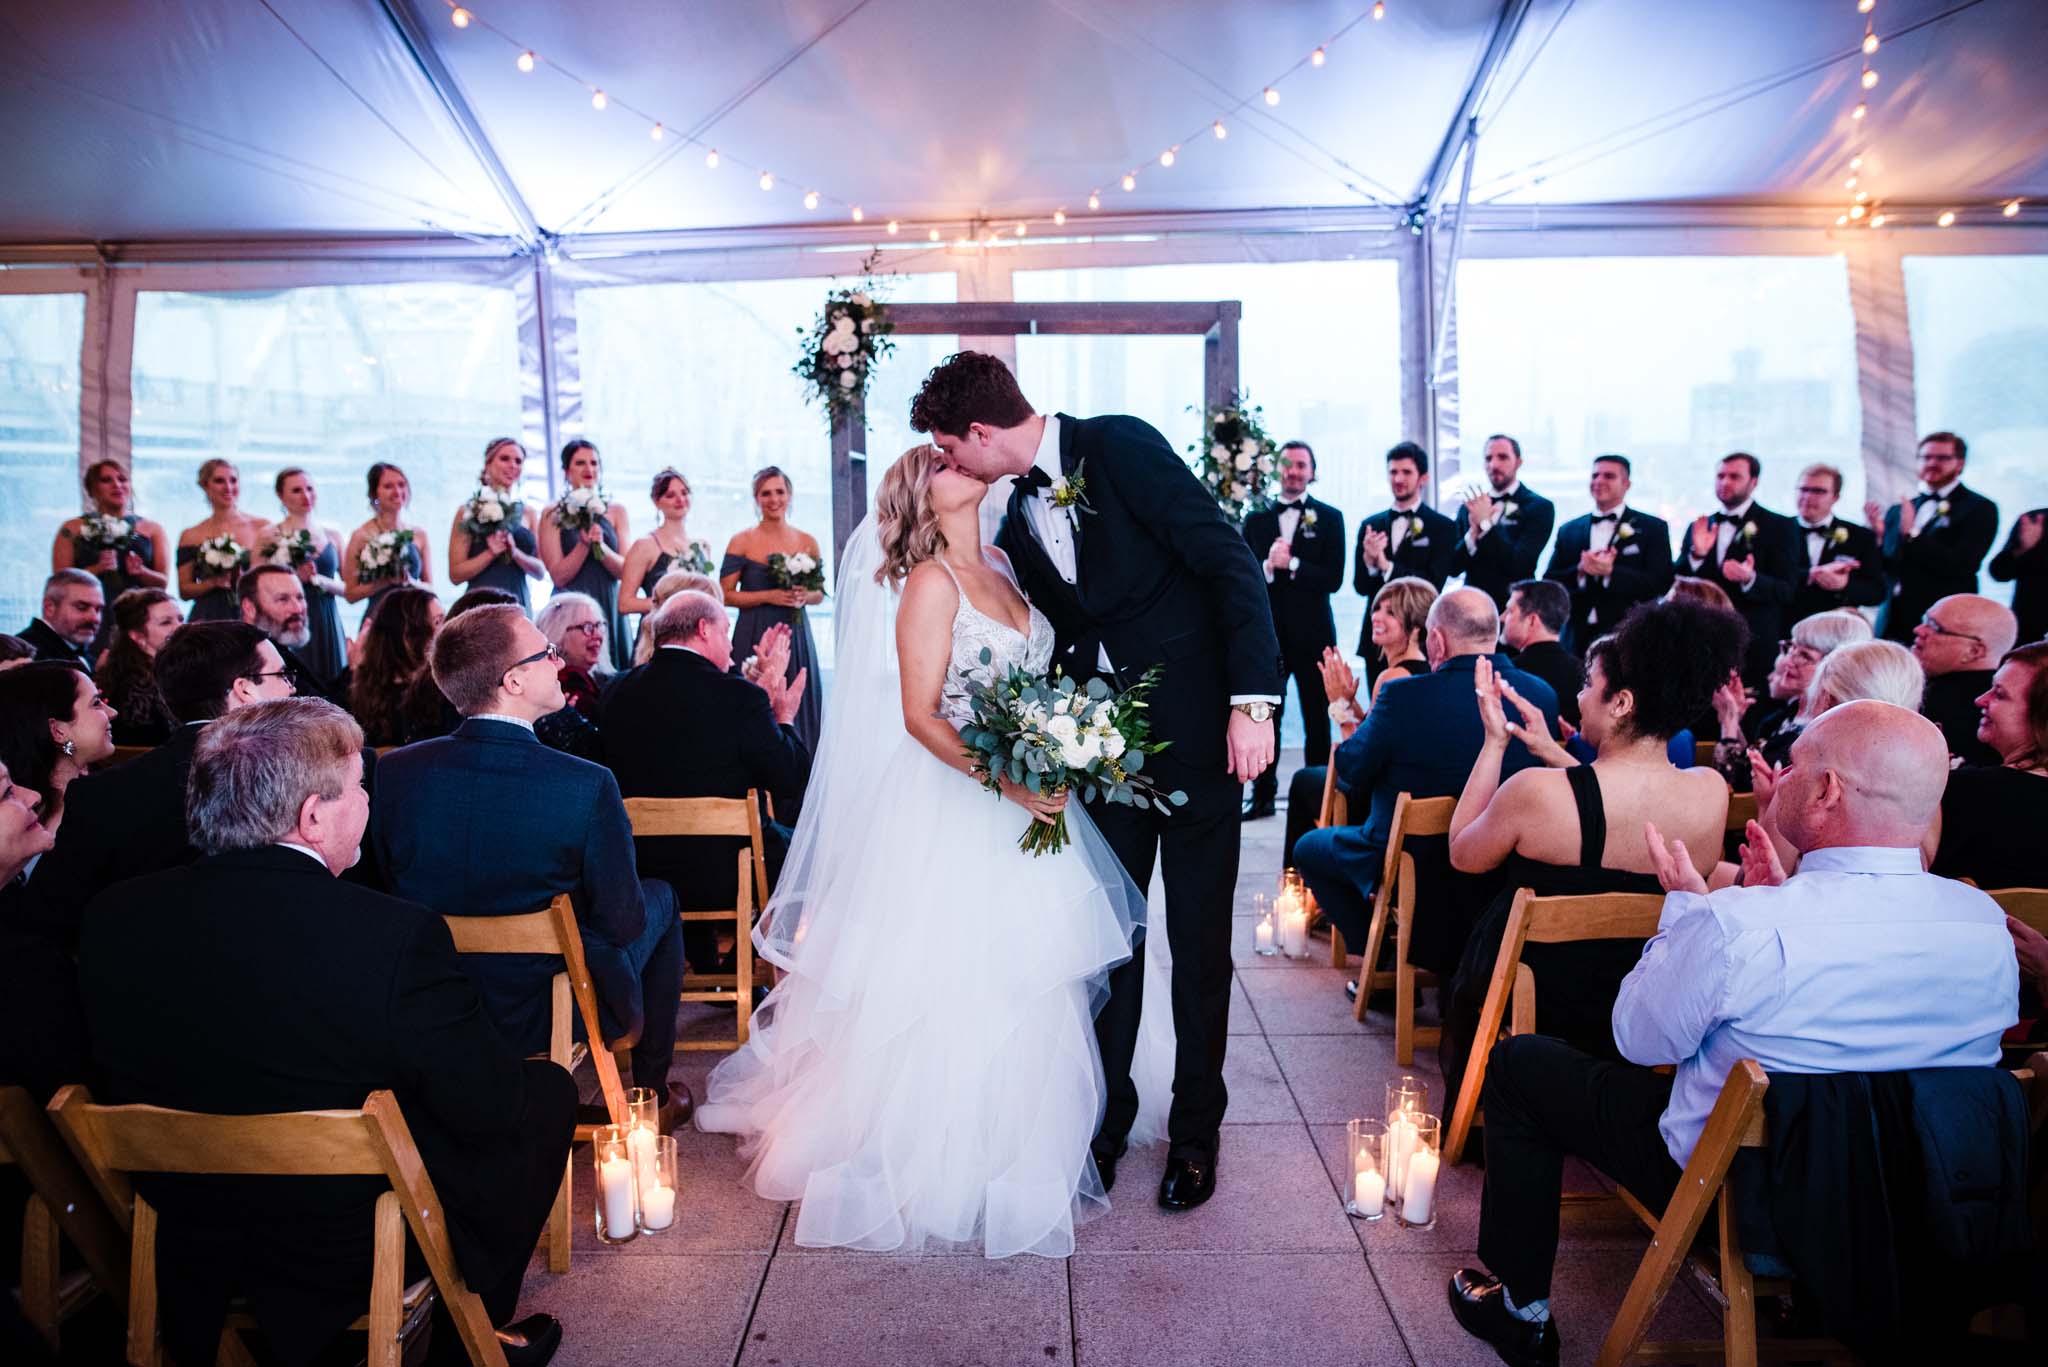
1368	1188
658	1207
615	1176
1418	1188
1263	937
640	1145
1401	1137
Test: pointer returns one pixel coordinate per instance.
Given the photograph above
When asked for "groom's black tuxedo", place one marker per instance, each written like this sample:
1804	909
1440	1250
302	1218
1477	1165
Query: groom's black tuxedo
1162	578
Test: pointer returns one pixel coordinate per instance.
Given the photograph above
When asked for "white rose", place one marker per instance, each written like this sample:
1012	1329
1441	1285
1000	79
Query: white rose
846	362
801	563
1248	447
1219	452
1033	713
1265	465
1112	742
490	510
1244	463
1081	751
847	379
1062	727
860	297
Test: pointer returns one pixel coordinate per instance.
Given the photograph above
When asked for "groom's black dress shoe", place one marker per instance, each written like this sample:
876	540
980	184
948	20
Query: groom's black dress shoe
1256	810
1106	1154
1188	1183
1479	1303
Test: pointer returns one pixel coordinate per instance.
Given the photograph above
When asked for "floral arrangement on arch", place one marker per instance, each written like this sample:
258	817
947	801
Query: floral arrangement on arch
1235	459
841	348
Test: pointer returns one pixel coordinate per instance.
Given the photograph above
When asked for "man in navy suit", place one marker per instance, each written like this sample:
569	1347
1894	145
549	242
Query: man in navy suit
1420	738
1933	541
490	822
1609	559
1501	530
1839	565
1748	551
1409	540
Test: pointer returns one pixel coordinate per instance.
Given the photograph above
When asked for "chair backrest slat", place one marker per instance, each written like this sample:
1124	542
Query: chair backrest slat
152	1139
1600	916
691	815
1742	810
1430	815
533	933
2029	906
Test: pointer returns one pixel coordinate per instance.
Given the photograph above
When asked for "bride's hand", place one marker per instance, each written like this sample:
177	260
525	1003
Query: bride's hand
1042	808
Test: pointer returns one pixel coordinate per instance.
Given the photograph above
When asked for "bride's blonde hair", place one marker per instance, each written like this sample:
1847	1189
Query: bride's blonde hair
904	521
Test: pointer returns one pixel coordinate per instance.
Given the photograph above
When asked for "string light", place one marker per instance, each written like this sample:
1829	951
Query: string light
1856	162
1856	211
2012	209
1948	217
1094	200
1862	195
767	180
1219	130
656	132
711	159
1869	79
892	227
1272	95
460	17
1859	111
1865	6
1869	42
1877	220
933	234
1317	58
860	215
1059	217
1166	157
526	61
597	99
1841	220
1020	230
1130	181
1379	9
810	199
1849	184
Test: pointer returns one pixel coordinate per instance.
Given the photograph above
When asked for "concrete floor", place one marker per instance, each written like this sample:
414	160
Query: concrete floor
1269	1270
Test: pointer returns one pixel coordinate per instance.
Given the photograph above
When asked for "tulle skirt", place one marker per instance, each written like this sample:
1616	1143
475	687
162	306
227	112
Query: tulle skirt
927	1072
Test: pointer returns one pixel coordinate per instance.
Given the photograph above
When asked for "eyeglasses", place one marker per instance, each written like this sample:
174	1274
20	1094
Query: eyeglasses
1808	653
589	628
1939	630
1817	490
550	653
288	674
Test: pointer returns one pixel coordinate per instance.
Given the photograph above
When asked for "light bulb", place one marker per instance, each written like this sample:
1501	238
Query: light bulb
1862	195
1849	184
2011	210
767	180
892	227
1865	6
860	215
1948	217
1059	217
460	17
1856	211
1219	130
810	199
933	234
1020	230
1877	220
597	99
1094	200
1166	157
656	132
1869	43
1317	58
1856	163
1379	9
526	61
1869	78
1841	219
1130	181
1859	111
711	159
1272	95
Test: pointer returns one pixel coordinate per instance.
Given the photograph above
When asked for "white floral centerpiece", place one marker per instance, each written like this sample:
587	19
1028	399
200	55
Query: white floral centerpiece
842	346
1235	459
383	556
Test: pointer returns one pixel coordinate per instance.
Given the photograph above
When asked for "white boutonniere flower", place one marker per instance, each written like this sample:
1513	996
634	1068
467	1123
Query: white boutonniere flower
1308	517
1507	510
1941	508
1069	493
1841	534
1624	531
1749	531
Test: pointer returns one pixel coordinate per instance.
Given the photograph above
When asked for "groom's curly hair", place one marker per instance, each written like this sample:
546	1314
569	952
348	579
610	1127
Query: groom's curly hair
968	387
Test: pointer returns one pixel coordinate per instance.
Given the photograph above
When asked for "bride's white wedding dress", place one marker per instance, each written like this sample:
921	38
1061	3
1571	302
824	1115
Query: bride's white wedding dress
927	1070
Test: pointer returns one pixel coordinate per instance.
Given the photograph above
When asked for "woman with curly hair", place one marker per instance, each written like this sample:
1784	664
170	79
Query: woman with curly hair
394	654
143	620
1579	828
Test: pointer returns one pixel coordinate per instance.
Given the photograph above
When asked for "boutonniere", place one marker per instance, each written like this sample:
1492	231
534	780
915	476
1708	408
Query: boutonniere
1840	535
1069	493
1308	517
1624	531
1507	510
1749	531
1941	508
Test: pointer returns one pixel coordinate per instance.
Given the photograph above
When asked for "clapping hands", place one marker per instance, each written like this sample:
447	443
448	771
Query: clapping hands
1496	695
1375	550
1673	863
1478	507
1834	576
1597	564
1731	701
1761	867
771	672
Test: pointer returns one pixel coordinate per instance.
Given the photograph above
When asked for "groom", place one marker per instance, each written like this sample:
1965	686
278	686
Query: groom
1144	572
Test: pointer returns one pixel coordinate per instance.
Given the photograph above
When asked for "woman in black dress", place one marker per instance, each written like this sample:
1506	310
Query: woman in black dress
590	559
143	620
750	586
668	547
315	558
506	558
390	494
1579	828
1993	816
139	557
205	581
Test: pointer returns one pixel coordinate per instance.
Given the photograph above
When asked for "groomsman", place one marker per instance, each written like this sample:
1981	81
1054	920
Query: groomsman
1301	543
1841	567
1409	539
1611	558
1933	541
1748	550
1501	530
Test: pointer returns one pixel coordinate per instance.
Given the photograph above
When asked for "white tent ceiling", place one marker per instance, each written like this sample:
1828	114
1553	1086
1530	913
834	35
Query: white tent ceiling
153	120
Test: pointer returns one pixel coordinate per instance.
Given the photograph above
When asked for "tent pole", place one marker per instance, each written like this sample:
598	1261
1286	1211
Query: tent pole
1512	13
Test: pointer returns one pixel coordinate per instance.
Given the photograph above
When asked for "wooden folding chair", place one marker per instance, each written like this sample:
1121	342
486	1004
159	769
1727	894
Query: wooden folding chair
555	932
1335	811
715	816
1702	753
2029	906
1544	921
113	1142
1742	810
62	1202
1413	816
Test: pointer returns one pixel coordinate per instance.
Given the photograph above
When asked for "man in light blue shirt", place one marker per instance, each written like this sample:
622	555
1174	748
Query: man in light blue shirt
1861	962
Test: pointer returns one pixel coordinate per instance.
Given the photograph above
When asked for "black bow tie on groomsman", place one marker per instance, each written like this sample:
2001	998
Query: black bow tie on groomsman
1718	518
1606	517
1033	481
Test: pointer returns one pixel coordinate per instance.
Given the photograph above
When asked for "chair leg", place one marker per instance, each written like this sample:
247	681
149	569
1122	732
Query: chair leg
1404	994
145	1341
387	1284
1738	1321
743	991
1336	947
40	1272
558	1221
1369	954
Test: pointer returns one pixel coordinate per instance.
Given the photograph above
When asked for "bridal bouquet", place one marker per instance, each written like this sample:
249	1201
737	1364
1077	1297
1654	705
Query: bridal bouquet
97	533
1236	460
1054	737
798	571
582	509
490	511
383	556
291	550
220	557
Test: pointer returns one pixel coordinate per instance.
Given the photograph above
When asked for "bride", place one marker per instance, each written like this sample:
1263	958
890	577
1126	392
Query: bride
926	1072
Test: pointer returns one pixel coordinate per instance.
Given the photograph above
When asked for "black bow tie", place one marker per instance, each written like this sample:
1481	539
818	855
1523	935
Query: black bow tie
1285	506
1718	518
1606	517
1928	497
1033	480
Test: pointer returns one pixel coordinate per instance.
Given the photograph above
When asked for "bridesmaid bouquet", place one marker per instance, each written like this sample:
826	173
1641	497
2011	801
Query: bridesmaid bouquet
582	509
1053	737
99	533
291	550
383	556
696	557
221	557
490	511
798	571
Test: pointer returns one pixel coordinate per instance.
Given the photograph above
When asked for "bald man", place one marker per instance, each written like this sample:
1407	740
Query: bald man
1860	962
1959	642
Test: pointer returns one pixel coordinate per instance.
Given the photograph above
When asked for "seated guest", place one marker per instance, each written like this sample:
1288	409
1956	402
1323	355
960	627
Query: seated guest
393	658
1421	737
14	651
130	820
1690	589
2024	564
1775	721
490	822
42	1030
291	990
72	605
1959	641
426	712
667	587
575	626
273	600
143	620
1859	963
1993	816
1536	614
682	725
1577	830
54	725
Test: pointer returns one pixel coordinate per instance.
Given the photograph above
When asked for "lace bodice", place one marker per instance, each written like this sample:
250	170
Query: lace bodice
975	631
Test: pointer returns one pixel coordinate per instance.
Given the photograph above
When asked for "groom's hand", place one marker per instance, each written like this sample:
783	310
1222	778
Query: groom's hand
1251	746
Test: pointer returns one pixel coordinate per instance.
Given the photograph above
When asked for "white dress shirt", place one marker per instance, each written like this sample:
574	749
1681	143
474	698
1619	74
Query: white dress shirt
1601	535
1290	519
1724	532
1860	962
1925	515
500	716
1397	525
1500	501
306	850
1816	534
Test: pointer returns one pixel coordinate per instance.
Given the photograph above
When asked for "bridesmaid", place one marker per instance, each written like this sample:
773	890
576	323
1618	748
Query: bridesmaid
144	563
326	648
590	561
503	560
212	591
668	547
750	588
390	492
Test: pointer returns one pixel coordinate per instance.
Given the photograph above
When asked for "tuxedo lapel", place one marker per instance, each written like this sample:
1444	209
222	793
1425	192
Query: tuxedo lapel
1034	567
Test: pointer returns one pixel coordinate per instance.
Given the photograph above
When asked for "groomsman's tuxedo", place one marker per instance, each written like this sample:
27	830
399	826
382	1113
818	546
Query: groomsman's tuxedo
1420	542
1952	533
1642	570
1750	532
1823	545
1510	545
1300	598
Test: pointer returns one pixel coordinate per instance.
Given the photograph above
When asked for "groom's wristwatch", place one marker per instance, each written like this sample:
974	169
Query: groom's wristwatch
1257	711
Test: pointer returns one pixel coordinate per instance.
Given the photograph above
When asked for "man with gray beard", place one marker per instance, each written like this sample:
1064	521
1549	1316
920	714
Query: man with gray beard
274	602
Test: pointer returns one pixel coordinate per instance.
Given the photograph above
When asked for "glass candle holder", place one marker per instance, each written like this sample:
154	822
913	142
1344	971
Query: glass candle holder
1292	913
1265	929
1406	1093
1365	1182
617	1203
656	1181
1417	1207
643	1109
